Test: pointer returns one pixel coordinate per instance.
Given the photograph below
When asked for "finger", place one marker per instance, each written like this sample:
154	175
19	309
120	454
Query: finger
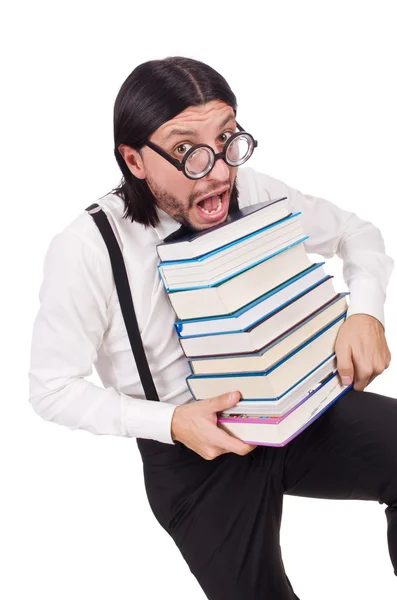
221	403
229	443
250	447
345	365
359	386
363	374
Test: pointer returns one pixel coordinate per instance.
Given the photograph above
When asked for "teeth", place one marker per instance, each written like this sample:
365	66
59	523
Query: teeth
211	212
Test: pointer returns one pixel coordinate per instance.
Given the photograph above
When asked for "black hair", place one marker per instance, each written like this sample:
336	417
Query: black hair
155	92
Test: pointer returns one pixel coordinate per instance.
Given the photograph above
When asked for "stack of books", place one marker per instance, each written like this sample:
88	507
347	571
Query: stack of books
254	314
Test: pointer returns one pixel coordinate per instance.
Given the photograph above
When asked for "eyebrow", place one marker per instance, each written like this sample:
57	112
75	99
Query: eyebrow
179	131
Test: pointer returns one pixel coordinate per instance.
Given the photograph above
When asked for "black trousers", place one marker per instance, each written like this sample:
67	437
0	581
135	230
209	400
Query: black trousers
225	514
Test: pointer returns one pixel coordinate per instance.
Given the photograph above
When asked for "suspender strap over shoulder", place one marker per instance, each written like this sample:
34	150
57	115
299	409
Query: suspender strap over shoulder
125	299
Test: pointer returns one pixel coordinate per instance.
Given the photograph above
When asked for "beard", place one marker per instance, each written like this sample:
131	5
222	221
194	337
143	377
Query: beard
172	206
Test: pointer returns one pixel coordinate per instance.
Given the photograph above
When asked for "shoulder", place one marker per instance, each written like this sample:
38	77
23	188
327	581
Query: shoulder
82	231
77	257
78	251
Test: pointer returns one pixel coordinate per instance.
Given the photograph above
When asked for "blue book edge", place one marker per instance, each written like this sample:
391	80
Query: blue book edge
237	313
263	351
203	257
232	217
239	375
224	279
264	317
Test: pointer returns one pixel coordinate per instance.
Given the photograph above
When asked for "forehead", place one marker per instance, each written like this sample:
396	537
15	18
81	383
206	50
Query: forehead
197	117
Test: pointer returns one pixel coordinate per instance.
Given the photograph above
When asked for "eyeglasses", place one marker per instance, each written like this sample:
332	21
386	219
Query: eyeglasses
200	159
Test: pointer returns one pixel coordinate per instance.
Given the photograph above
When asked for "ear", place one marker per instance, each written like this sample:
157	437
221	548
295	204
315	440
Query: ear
133	160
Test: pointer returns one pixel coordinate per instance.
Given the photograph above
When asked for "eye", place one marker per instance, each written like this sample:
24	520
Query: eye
182	149
225	136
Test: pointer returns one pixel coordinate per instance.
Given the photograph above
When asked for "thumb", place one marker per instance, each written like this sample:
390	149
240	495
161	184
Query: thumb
219	403
345	365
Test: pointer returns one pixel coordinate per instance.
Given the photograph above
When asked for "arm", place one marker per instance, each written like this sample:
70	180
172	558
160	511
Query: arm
366	266
67	336
361	348
334	231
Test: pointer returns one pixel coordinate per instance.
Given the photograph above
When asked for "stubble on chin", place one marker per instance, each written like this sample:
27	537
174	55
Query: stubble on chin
168	203
172	206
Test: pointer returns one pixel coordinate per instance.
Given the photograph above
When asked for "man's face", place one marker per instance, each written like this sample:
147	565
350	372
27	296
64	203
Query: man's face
176	194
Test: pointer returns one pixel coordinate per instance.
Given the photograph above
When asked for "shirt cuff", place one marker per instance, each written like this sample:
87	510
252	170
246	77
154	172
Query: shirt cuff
147	419
366	297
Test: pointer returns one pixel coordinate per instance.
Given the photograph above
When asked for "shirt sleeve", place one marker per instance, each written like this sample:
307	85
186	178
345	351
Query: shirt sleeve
67	335
334	231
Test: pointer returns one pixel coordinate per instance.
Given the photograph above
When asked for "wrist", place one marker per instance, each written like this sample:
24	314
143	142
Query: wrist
174	425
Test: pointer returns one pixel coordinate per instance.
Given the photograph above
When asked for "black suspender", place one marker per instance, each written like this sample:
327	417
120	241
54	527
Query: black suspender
125	299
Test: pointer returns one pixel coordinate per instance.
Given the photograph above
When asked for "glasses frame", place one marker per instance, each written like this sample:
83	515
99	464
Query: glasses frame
180	165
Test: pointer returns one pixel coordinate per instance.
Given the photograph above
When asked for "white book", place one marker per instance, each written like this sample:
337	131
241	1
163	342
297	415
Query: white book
276	350
265	331
281	431
240	290
237	225
279	406
272	383
217	266
257	310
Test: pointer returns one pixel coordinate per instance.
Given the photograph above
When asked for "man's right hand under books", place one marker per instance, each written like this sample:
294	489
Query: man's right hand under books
195	425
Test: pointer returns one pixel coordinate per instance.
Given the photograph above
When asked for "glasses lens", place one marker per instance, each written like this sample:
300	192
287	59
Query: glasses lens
199	163
240	149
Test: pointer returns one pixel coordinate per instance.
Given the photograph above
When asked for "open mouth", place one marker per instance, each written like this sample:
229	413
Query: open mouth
214	208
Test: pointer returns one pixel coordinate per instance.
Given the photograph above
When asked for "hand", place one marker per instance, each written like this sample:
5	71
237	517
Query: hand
361	350
195	425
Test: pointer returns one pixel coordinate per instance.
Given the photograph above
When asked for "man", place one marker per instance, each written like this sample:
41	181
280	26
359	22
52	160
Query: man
199	479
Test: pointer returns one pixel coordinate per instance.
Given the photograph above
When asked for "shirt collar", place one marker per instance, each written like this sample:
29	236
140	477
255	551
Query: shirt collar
166	226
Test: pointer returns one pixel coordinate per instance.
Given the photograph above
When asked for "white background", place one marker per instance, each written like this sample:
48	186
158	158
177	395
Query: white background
315	82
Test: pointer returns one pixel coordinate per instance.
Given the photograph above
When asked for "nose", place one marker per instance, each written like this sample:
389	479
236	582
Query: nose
219	172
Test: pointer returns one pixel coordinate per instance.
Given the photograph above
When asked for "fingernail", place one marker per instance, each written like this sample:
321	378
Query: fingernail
346	380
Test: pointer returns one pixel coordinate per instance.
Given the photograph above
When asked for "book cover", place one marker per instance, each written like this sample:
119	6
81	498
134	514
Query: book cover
245	220
282	431
254	311
242	288
272	382
266	330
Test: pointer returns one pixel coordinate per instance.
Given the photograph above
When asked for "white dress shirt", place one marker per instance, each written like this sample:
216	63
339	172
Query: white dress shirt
79	323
